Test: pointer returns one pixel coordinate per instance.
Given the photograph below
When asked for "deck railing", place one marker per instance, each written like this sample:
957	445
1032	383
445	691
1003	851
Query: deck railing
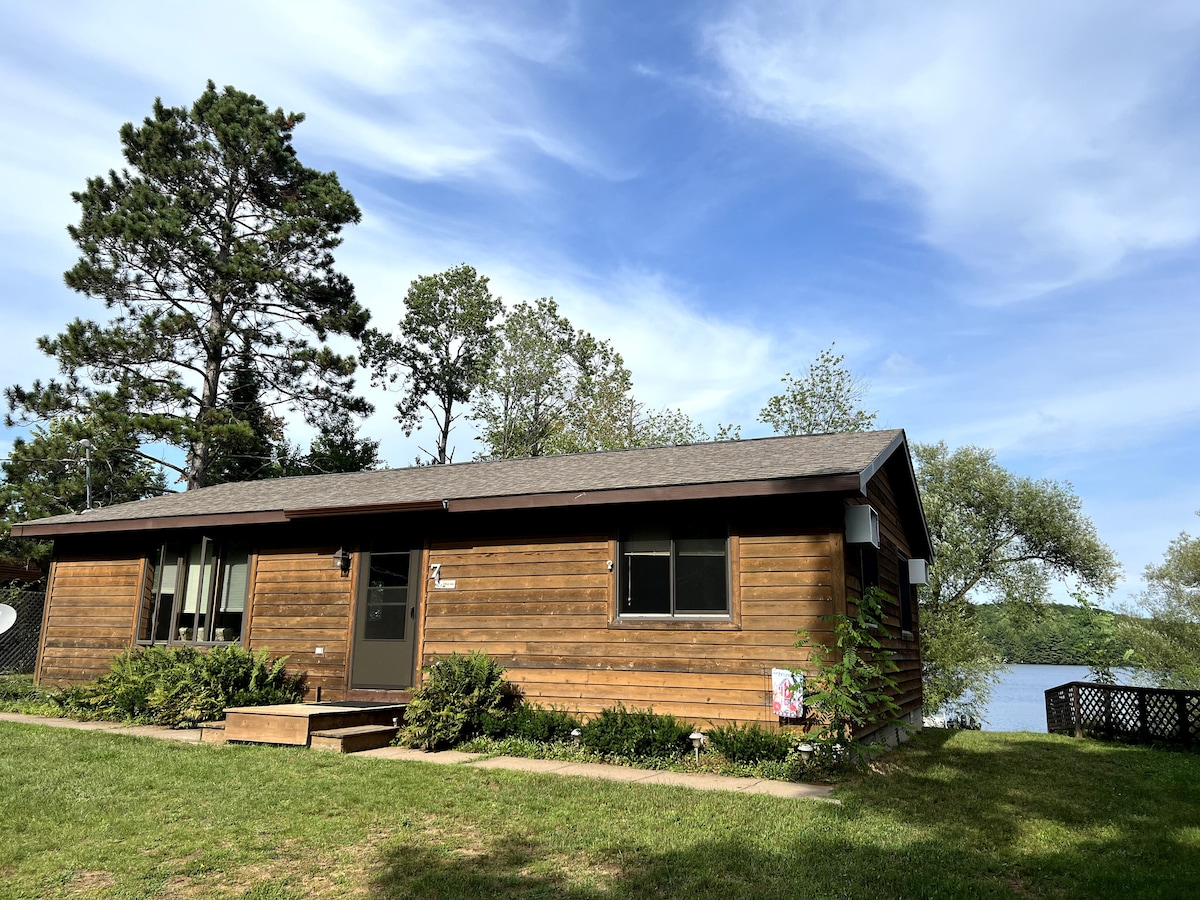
1121	712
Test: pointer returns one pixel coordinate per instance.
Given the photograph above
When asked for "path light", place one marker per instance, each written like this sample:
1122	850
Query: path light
697	739
806	753
576	734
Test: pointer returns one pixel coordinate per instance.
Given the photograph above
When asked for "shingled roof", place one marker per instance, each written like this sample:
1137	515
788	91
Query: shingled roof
823	462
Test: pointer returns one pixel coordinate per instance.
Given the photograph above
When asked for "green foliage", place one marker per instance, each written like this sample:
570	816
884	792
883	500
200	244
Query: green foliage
635	734
45	475
444	352
1053	634
998	535
1167	643
338	447
556	389
852	687
213	249
457	697
531	722
827	400
180	686
538	399
17	689
750	743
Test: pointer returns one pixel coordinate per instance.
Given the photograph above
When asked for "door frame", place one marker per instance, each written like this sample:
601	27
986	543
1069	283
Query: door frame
359	585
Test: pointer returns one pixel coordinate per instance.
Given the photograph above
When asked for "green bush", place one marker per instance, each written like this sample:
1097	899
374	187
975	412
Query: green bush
750	743
16	688
636	734
458	696
182	686
531	722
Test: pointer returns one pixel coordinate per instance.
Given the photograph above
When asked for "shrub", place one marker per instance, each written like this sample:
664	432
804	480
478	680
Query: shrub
531	722
20	688
182	686
750	743
459	694
636	733
853	686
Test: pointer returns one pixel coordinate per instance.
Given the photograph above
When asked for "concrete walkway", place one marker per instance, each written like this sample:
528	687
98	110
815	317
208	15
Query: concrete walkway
476	761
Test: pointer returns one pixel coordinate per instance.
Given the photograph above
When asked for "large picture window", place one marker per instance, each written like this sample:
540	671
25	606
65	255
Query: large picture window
199	595
669	573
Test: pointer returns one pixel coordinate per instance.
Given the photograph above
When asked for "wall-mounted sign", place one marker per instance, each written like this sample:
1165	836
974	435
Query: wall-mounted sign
787	694
445	584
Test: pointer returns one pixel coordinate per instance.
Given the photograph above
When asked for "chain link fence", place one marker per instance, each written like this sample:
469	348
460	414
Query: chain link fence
19	645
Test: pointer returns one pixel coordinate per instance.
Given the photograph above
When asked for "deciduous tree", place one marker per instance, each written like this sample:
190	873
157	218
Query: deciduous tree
443	353
1167	643
1000	536
214	240
828	399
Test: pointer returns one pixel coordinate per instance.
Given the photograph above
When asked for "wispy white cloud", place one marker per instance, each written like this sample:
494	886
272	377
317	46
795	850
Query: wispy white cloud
1043	143
420	91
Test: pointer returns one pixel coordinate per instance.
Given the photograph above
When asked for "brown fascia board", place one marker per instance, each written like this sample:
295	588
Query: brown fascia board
33	529
323	512
775	486
869	472
844	483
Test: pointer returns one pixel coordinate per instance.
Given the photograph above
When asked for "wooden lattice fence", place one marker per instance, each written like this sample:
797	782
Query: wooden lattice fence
19	645
1122	712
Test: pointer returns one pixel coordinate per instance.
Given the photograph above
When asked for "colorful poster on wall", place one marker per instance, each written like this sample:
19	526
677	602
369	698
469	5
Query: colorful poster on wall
787	694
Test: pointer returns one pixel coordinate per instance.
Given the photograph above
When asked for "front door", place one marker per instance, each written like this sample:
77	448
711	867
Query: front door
385	629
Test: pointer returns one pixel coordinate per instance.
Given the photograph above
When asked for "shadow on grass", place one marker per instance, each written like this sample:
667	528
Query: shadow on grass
949	817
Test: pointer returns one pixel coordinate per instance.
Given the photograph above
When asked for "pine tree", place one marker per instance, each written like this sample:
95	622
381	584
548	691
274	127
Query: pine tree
213	245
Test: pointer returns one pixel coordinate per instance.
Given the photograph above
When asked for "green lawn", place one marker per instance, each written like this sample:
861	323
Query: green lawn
961	815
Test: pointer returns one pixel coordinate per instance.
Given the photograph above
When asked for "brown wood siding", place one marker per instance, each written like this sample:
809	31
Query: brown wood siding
893	546
298	602
89	610
545	609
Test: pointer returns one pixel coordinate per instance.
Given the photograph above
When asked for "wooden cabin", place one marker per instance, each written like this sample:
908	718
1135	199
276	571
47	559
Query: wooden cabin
675	578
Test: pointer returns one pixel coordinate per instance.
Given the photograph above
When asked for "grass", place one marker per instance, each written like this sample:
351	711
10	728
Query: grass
87	814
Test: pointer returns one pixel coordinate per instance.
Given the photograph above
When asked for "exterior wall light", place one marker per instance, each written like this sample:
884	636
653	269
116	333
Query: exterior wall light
341	560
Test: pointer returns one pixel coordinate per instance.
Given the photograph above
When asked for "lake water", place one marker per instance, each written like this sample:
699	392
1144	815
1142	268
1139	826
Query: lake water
1019	700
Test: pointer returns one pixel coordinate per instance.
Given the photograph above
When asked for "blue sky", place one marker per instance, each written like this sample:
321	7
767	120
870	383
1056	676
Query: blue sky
992	208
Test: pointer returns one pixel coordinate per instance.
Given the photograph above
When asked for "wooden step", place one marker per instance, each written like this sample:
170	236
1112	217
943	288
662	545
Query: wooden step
212	732
293	723
353	739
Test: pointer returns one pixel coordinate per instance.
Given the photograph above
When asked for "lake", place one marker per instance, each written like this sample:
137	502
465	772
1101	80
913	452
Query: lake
1019	700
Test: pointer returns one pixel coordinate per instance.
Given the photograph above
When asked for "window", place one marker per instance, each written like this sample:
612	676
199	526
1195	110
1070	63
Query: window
870	566
199	595
387	597
674	573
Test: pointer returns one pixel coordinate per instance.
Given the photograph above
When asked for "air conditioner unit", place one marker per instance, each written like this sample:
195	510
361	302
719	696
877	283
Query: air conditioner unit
862	525
918	571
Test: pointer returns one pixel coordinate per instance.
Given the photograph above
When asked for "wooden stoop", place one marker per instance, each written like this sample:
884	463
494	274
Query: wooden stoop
354	739
296	723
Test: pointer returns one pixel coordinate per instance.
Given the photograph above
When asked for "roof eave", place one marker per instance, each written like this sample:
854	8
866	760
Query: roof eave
833	483
152	523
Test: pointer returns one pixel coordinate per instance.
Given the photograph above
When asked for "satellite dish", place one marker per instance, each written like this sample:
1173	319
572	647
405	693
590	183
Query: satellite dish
8	618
